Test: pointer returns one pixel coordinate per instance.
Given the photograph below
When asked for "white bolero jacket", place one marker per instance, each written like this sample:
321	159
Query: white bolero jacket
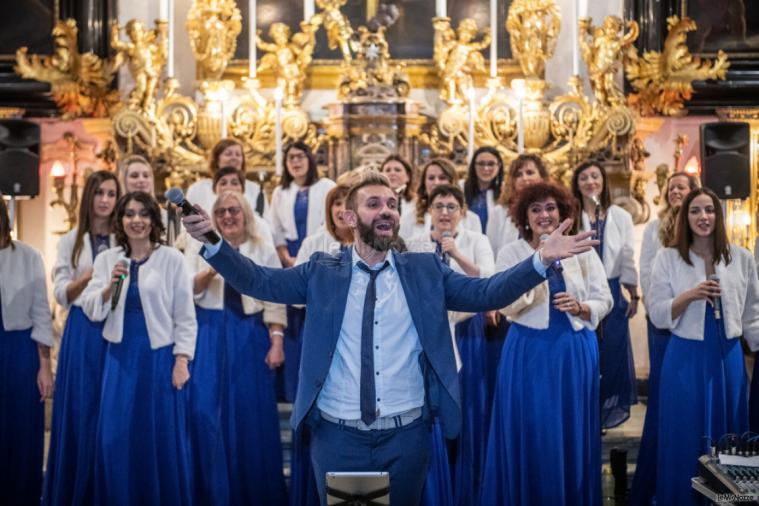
64	273
672	276
282	217
165	292
585	279
619	245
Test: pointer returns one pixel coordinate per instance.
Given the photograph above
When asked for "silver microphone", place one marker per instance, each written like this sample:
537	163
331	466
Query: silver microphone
443	235
595	200
557	263
717	301
117	285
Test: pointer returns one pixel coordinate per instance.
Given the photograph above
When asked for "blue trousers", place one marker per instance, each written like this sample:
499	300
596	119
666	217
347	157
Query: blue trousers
402	452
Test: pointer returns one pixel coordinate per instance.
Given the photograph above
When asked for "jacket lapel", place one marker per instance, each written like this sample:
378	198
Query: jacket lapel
411	291
341	286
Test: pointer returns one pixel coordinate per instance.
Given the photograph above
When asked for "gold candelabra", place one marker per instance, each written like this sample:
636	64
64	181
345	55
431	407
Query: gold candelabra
71	204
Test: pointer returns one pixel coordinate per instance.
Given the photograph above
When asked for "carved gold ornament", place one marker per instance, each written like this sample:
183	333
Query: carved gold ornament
81	83
663	81
213	27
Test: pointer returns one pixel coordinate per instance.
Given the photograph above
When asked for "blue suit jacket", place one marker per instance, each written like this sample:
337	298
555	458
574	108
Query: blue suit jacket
430	286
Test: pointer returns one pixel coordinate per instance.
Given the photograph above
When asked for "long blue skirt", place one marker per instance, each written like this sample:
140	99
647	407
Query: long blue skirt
143	444
250	417
438	489
22	419
753	400
69	478
208	370
702	395
470	455
287	373
618	391
644	482
545	445
303	490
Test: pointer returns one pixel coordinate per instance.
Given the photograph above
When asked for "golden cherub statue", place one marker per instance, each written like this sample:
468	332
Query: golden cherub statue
533	27
457	55
213	27
288	57
603	55
339	30
145	52
80	83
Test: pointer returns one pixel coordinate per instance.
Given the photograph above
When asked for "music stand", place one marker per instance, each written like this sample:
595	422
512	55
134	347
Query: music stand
358	489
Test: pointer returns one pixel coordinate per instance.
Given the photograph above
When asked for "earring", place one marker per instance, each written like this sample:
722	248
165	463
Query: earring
527	227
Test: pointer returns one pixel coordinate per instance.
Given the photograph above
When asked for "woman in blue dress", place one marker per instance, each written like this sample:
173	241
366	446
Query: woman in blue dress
614	228
71	456
467	252
545	446
657	232
142	438
239	344
400	174
297	211
702	391
26	379
482	186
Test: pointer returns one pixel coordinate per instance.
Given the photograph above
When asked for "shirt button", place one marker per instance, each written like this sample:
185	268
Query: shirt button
376	323
376	347
378	399
377	373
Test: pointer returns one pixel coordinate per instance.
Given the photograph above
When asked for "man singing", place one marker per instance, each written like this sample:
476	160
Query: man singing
378	363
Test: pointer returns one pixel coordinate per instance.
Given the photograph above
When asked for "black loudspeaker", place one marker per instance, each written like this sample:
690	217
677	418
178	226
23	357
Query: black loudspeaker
726	159
19	158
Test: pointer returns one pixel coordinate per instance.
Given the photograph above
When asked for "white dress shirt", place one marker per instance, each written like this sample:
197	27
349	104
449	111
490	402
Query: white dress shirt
399	386
672	276
23	292
64	272
618	245
410	228
165	293
501	230
648	250
585	280
281	214
262	253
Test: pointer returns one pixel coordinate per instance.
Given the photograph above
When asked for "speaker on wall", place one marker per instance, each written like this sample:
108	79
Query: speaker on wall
726	159
19	158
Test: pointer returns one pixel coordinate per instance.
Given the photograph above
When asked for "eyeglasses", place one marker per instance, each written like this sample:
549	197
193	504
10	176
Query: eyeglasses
296	157
451	208
221	211
486	165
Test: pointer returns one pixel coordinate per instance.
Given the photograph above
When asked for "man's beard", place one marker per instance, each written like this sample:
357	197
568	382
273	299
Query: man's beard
374	241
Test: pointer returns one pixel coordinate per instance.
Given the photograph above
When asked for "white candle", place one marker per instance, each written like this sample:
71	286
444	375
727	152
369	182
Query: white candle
494	43
223	118
278	93
576	39
520	127
470	137
441	8
308	9
163	10
252	38
170	13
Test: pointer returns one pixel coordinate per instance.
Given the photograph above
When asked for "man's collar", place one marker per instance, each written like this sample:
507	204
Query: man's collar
356	258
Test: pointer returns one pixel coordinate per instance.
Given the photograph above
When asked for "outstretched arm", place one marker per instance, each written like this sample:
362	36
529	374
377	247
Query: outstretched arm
283	286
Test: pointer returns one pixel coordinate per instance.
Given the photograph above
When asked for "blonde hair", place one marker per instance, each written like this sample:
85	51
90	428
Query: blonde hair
251	232
128	162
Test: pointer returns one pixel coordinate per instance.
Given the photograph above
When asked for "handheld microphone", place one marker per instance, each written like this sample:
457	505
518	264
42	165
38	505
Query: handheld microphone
595	200
717	300
176	197
443	235
556	263
117	285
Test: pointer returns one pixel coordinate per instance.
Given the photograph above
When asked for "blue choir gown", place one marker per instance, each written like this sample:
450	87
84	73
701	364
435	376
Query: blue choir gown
22	419
438	488
618	389
470	454
544	446
702	396
143	443
753	400
208	372
249	414
644	482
